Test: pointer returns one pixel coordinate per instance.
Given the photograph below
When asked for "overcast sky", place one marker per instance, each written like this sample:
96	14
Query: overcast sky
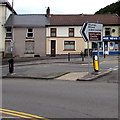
60	6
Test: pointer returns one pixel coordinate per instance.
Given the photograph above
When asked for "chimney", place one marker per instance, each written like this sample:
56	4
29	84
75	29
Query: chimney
48	12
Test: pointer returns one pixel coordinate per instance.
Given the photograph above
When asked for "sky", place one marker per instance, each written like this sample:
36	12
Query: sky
60	6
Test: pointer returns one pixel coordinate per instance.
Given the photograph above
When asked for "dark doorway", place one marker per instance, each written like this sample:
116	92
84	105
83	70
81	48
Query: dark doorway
53	48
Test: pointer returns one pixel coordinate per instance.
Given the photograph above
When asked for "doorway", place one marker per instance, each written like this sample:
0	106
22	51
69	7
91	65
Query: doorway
53	48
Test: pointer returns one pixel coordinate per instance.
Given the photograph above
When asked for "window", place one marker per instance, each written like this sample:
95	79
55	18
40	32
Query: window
69	45
53	32
71	32
7	46
107	32
29	47
29	33
9	32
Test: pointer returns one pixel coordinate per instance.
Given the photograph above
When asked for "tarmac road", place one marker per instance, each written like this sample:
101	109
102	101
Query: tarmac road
61	99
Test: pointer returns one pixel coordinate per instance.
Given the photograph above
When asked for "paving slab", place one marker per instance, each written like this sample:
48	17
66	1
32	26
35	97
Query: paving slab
93	76
73	76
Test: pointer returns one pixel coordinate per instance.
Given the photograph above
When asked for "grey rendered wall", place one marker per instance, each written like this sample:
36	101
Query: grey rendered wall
40	38
20	38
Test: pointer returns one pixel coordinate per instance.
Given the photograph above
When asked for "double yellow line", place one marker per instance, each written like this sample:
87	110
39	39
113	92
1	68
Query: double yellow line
21	114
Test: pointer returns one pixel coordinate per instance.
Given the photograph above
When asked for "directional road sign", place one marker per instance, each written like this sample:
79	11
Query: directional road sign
92	32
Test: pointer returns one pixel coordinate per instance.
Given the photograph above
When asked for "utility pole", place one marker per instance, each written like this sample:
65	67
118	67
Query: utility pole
12	40
11	60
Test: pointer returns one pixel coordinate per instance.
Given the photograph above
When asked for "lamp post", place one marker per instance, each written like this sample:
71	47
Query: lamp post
11	44
11	60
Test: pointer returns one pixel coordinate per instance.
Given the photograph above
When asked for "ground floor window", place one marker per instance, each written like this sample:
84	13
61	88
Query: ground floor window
95	46
106	46
69	45
29	47
7	47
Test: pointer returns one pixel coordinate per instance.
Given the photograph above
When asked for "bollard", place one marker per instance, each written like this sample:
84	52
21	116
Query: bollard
68	56
96	63
104	55
82	56
11	65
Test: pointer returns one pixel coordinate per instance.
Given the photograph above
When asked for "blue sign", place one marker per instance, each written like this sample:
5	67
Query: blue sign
110	38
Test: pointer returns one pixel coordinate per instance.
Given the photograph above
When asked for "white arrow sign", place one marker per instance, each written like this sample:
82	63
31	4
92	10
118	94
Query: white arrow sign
92	31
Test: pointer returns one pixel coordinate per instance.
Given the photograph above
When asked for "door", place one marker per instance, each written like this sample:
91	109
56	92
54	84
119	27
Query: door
53	48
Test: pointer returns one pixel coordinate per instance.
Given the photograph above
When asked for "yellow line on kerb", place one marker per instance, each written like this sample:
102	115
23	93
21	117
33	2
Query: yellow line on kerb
20	114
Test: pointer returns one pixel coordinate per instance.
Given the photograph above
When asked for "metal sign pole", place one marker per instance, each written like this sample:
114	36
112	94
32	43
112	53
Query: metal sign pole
88	58
98	52
98	49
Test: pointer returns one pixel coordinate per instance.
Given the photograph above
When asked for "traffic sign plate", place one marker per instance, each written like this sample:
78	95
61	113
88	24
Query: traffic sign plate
92	31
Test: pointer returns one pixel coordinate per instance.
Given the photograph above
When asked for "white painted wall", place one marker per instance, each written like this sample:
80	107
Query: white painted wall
64	31
2	21
4	14
8	12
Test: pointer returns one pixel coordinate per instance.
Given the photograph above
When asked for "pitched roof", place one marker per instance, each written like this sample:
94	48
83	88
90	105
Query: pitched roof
106	19
32	20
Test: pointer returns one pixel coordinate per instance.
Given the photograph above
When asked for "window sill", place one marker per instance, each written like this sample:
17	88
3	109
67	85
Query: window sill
8	38
71	36
29	53
53	36
69	50
29	37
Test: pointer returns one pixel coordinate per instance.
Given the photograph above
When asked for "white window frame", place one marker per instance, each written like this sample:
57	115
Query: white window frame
69	41
9	32
30	32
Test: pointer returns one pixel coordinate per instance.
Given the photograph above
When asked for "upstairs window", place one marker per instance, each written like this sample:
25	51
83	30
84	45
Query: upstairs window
71	32
53	32
29	33
9	32
107	32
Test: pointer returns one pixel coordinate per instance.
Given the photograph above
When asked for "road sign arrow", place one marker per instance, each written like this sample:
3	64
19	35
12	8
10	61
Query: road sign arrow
83	32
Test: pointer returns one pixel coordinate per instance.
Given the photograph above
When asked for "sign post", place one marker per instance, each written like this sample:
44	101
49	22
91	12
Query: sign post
92	32
88	57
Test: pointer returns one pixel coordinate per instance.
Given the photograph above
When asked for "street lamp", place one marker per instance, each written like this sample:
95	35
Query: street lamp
11	60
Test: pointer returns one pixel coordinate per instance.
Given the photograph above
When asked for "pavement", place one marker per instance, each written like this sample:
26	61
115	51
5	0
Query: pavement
73	76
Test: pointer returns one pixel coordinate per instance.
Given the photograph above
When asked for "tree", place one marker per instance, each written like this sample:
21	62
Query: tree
113	8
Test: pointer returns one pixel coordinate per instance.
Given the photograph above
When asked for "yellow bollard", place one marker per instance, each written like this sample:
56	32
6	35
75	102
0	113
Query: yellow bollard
96	63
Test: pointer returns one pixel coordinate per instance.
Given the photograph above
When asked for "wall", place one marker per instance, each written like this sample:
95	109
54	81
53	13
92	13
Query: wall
63	31
4	14
2	31
20	38
114	34
79	45
63	35
40	41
